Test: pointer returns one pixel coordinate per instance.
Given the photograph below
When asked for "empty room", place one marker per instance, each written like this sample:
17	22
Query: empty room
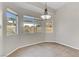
39	29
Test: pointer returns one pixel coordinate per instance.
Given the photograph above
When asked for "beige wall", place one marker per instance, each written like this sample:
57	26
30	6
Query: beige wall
67	25
51	37
67	29
22	39
1	48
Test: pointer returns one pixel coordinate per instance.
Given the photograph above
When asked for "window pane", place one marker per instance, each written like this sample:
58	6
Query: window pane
11	22
30	24
49	26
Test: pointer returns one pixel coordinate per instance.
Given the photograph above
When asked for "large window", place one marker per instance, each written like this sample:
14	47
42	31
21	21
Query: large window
11	22
31	24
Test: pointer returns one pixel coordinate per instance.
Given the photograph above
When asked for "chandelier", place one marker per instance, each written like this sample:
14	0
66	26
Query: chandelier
46	16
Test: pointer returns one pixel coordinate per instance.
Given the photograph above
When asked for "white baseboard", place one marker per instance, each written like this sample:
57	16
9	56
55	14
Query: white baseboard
67	45
21	47
38	43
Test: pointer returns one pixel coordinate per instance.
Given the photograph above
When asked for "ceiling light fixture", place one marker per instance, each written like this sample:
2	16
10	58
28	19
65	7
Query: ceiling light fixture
46	16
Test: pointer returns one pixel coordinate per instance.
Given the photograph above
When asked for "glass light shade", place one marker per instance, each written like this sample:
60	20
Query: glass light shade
46	17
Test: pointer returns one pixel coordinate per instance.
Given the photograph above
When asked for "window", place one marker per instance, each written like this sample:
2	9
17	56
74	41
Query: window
31	24
49	26
11	22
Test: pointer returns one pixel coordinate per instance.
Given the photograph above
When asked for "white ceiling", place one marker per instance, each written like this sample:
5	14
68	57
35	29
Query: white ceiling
55	5
39	6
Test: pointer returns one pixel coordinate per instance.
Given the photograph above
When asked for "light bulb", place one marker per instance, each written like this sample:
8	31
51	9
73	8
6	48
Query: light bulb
46	17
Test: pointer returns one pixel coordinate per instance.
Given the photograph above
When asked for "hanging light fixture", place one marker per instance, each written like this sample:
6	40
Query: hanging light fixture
46	16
